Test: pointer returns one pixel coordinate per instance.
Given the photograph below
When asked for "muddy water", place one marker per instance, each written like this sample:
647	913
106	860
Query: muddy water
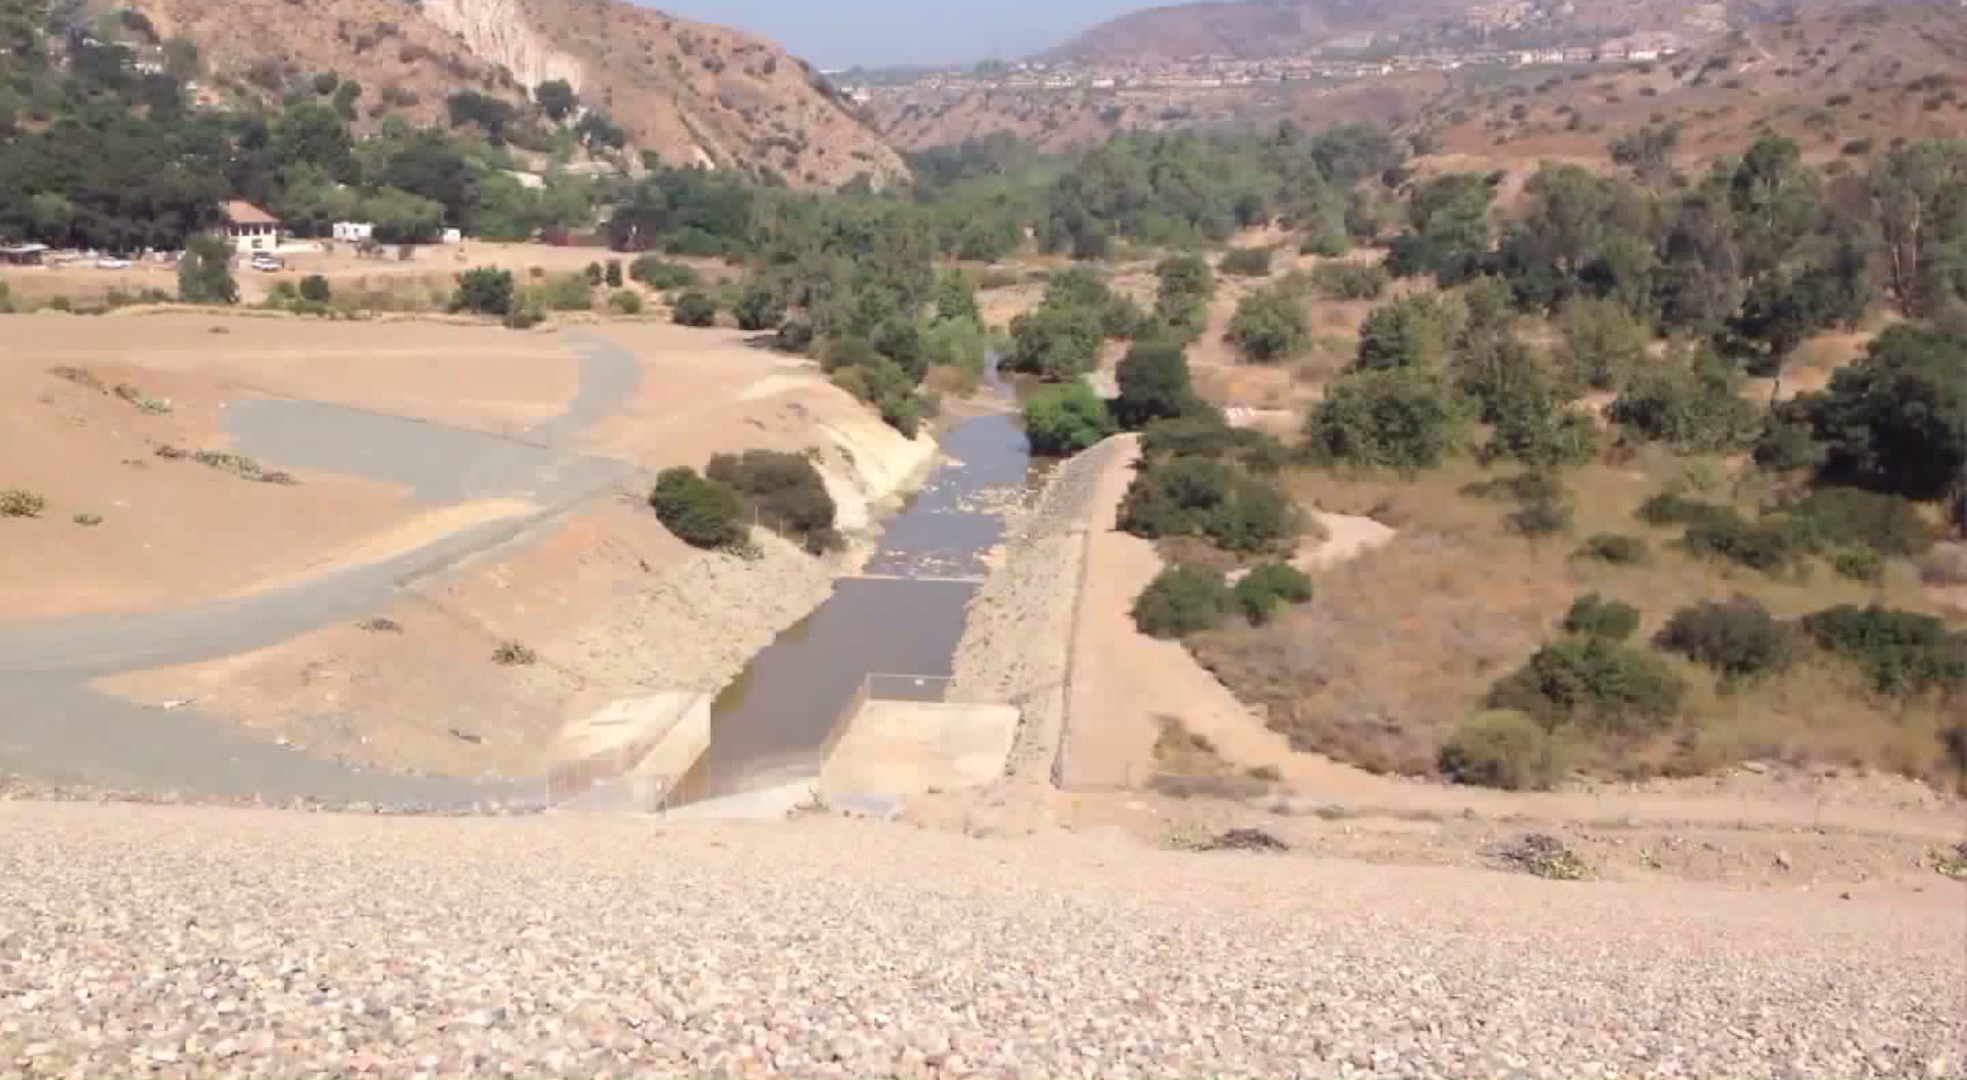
904	616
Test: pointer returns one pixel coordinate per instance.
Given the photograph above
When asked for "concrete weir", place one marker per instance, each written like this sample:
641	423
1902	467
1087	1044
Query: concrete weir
629	755
904	748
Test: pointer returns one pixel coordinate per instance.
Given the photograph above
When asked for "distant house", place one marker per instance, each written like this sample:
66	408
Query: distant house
353	231
250	228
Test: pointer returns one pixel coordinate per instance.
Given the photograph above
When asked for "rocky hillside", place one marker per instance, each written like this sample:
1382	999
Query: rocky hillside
690	92
1256	29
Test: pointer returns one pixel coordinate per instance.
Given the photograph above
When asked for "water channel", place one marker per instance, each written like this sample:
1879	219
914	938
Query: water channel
776	721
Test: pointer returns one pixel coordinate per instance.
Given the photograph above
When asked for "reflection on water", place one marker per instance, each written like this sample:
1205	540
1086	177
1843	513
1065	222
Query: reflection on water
778	718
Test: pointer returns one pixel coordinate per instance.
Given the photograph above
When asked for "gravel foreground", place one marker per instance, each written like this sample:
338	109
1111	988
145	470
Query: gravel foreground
182	941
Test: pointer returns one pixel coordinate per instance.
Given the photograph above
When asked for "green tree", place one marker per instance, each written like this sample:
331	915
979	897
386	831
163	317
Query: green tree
315	289
1449	216
312	133
205	272
1603	343
1060	420
556	98
1182	600
760	306
1920	195
1181	300
1055	342
1269	325
955	299
1689	403
1154	385
1414	331
1403	419
1896	421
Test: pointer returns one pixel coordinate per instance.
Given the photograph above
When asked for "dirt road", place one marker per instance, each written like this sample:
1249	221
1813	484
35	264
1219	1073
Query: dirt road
59	728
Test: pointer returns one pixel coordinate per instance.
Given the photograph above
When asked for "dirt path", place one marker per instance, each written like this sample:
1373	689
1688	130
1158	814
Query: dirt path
59	728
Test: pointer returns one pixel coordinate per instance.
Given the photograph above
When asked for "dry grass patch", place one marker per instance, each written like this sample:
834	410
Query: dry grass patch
1400	647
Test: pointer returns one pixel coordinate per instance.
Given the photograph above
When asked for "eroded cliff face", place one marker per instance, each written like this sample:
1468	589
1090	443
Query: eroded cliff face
689	93
501	33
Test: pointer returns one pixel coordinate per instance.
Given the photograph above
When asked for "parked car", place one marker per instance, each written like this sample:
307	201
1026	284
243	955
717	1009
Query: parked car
110	262
264	261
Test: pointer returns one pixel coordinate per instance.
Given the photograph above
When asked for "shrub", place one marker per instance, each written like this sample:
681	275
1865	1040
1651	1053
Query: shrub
315	289
1270	586
1349	281
1602	341
1614	550
1770	546
485	290
1247	262
1061	420
611	275
1689	408
1594	615
661	274
593	274
21	504
1668	508
1896	420
1181	300
1738	638
1786	446
625	302
514	654
1181	600
1269	325
786	492
1539	519
1592	681
1403	420
1903	652
701	512
1858	564
1500	749
796	335
1526	487
1210	497
760	306
695	308
1886	524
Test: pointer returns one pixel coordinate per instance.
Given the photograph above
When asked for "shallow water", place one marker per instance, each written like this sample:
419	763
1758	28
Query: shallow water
779	717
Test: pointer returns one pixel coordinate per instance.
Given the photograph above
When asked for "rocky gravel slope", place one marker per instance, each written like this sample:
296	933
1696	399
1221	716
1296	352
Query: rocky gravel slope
172	941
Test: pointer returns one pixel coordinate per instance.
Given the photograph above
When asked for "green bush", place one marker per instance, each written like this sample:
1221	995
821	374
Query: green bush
1614	550
1269	325
1539	519
701	512
1738	638
1209	497
1062	420
1416	331
1592	681
1771	545
1594	615
486	290
593	274
1904	653
695	308
1268	587
1182	600
1349	281
1181	300
1154	385
625	302
315	288
1501	749
1668	508
612	275
760	307
1858	563
661	274
1887	524
796	335
1405	420
1247	262
785	491
1603	342
1691	408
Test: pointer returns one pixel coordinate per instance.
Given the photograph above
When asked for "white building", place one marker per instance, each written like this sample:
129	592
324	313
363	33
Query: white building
352	231
250	228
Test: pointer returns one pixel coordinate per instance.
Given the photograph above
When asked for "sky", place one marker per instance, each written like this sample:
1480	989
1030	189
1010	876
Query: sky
842	33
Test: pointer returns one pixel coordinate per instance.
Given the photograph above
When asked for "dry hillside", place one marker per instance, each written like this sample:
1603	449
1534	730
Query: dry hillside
1255	29
691	92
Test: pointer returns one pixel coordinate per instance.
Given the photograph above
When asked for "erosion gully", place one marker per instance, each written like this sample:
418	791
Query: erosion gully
899	620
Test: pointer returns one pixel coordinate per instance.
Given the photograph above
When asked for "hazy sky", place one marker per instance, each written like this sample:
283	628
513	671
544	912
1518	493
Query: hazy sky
841	33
